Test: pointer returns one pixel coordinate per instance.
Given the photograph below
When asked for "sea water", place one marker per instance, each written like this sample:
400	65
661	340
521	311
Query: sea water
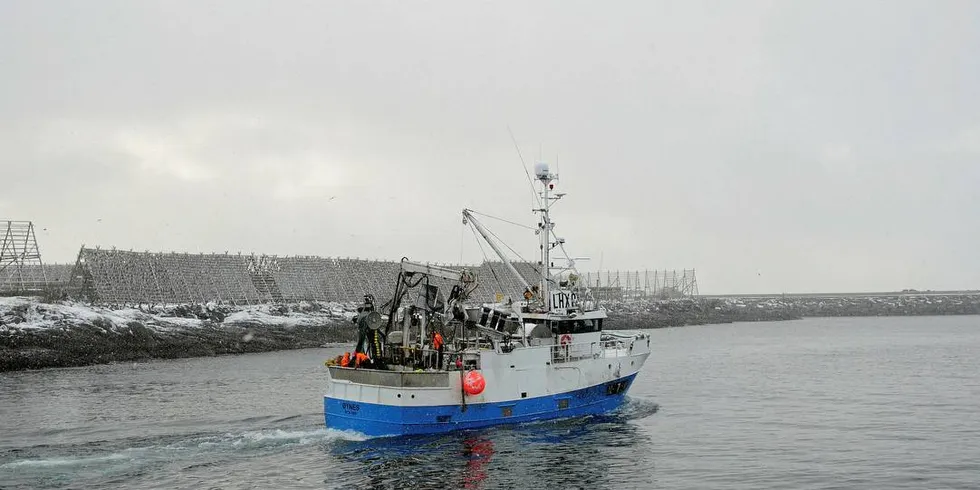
815	403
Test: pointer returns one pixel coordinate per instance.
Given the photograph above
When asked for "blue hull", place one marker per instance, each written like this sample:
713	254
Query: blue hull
384	420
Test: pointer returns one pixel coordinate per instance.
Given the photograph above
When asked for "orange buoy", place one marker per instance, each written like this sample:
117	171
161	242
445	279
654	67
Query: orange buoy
473	383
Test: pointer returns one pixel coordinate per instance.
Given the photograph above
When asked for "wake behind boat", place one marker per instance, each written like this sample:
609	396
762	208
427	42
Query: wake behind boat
427	363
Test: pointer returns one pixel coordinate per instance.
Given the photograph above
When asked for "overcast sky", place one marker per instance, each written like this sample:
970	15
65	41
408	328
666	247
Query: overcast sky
773	146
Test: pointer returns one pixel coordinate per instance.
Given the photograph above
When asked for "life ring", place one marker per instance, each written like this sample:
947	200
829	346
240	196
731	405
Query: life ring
565	339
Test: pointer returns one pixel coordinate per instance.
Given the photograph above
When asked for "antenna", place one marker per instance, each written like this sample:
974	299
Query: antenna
530	182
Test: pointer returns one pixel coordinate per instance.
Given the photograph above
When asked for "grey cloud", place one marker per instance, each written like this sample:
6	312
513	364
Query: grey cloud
774	146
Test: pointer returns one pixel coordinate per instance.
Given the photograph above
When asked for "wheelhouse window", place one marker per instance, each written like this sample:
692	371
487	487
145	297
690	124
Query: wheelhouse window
576	326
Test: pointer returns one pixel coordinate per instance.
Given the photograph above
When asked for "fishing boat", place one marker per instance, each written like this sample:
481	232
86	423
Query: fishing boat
429	360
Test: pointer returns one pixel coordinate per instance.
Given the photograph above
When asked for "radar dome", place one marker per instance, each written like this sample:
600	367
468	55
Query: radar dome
541	171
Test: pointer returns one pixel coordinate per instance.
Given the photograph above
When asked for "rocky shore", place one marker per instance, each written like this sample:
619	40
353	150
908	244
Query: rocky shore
36	334
681	312
706	310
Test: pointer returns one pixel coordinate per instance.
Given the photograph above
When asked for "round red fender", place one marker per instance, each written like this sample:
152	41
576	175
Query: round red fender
566	339
473	383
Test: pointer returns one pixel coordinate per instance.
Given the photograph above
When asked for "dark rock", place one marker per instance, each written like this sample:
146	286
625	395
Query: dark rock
100	341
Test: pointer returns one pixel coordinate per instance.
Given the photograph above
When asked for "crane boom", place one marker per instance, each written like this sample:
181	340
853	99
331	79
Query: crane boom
409	267
467	215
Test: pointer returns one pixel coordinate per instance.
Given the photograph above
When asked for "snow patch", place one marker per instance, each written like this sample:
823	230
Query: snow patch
26	313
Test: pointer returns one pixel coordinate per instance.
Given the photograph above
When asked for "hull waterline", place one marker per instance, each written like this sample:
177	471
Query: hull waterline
373	419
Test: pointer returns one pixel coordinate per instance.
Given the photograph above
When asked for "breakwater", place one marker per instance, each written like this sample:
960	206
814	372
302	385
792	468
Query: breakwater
39	335
35	334
728	309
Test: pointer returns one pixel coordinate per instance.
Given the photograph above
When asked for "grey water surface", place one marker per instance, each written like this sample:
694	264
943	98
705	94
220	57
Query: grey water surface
815	403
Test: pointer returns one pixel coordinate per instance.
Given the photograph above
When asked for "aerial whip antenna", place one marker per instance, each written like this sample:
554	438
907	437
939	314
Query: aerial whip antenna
530	181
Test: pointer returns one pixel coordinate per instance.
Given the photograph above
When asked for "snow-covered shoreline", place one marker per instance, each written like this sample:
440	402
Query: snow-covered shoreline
37	334
17	313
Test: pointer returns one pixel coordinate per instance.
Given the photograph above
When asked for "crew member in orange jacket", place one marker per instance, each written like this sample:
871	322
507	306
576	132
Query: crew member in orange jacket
361	359
437	345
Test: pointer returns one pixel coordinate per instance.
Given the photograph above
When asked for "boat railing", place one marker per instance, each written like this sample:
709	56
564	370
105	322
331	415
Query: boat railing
475	343
417	357
587	350
427	358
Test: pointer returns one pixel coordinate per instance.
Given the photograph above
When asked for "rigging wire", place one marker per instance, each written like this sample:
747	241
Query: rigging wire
536	269
515	252
486	260
490	232
562	247
533	267
504	220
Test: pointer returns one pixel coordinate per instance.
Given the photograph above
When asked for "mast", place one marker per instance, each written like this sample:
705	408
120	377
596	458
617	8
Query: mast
545	226
544	232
